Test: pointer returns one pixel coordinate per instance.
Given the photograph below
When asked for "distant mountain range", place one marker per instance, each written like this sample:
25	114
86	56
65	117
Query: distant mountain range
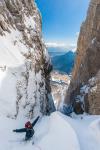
62	60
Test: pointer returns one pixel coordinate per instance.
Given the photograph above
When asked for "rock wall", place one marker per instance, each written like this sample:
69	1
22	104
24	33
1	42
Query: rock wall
87	63
24	61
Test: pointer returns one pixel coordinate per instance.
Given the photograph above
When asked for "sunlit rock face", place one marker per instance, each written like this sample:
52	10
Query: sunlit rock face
24	61
87	63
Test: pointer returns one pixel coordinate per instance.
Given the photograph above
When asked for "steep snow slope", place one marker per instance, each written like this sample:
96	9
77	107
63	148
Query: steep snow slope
60	135
24	61
57	132
87	129
51	133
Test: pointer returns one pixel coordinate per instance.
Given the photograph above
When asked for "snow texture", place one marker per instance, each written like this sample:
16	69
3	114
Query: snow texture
56	132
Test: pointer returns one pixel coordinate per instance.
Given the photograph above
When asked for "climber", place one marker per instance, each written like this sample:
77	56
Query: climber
28	129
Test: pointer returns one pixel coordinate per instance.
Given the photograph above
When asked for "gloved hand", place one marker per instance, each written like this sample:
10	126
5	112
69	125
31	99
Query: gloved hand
14	130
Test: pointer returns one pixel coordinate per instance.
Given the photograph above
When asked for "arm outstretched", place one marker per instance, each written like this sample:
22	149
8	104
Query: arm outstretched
20	130
35	121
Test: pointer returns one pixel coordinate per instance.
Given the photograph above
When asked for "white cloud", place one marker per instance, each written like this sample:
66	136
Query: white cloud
61	45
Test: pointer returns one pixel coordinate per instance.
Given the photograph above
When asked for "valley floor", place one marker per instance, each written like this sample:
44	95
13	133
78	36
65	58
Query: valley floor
57	132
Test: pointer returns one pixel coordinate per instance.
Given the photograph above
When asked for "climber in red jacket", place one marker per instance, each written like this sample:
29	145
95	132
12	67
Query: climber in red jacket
28	129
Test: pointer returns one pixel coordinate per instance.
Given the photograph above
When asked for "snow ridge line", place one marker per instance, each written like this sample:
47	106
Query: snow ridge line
68	124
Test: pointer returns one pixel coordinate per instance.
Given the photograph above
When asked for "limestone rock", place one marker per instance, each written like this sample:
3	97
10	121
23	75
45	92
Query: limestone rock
87	63
26	77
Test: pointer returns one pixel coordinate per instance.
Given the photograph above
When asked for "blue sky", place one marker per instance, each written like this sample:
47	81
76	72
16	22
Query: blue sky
61	19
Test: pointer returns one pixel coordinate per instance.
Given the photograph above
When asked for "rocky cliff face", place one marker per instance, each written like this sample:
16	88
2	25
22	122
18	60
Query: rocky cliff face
87	66
24	61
